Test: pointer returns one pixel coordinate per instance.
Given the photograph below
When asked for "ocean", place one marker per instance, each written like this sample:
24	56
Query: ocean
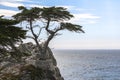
88	64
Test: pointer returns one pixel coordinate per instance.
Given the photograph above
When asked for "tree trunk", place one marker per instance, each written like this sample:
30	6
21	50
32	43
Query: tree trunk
35	38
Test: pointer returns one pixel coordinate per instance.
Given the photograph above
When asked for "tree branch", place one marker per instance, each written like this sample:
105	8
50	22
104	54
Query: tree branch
35	37
47	27
40	31
52	34
47	41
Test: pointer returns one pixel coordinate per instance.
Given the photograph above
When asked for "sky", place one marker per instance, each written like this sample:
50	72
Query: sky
99	18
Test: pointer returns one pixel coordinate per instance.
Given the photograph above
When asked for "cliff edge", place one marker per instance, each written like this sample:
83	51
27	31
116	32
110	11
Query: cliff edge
32	67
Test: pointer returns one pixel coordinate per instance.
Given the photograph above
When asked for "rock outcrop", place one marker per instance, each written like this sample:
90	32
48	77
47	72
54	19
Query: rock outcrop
32	67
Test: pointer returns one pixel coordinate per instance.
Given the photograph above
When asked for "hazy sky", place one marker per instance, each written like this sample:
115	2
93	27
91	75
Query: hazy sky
99	18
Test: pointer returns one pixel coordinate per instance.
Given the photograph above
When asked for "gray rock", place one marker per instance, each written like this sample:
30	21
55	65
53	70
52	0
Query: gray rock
33	67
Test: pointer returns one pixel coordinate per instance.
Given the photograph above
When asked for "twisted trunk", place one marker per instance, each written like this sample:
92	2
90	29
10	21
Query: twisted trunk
35	38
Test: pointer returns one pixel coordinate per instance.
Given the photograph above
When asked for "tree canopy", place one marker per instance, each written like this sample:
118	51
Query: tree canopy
10	35
47	15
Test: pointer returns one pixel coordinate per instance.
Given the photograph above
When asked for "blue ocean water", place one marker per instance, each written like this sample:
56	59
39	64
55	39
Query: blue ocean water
89	64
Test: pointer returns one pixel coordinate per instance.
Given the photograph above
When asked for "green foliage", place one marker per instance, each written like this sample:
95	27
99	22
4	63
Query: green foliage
55	14
71	27
10	32
27	15
10	35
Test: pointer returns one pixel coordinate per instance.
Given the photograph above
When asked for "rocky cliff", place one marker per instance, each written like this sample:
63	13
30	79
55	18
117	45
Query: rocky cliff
32	67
